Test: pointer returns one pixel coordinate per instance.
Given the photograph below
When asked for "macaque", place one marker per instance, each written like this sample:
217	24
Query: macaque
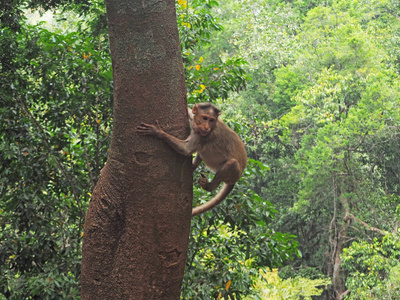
215	143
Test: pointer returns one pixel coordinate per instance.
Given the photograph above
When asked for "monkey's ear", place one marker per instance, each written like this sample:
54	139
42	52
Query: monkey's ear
217	112
194	109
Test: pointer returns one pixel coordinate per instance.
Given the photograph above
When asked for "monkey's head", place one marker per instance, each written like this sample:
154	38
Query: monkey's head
205	116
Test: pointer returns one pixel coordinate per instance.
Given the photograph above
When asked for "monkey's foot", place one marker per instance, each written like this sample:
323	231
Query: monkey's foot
204	183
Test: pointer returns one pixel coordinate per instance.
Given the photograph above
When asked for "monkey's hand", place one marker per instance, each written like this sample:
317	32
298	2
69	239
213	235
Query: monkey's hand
147	129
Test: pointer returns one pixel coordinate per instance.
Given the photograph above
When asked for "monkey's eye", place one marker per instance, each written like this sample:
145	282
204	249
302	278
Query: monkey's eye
211	120
205	118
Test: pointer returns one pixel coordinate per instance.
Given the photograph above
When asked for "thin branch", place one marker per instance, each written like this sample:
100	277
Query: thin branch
360	143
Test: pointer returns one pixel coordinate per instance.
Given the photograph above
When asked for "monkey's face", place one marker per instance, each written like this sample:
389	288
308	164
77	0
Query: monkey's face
204	123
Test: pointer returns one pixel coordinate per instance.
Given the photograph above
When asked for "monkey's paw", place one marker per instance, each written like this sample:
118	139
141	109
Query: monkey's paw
204	183
147	129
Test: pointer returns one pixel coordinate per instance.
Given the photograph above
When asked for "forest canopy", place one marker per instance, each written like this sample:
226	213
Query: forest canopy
312	88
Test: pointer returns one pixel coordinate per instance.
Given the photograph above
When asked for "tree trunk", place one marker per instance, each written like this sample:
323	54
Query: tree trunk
138	221
337	277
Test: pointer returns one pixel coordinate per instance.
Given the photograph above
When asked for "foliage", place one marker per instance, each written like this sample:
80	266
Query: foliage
264	34
373	268
55	125
271	286
339	111
319	117
206	79
325	104
57	116
211	269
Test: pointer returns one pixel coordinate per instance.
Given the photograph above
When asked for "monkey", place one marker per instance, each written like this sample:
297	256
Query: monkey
215	143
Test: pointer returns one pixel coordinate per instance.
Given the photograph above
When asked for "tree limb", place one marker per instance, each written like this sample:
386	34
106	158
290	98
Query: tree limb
367	226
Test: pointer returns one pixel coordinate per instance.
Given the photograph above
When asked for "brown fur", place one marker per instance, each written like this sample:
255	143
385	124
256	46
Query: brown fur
215	143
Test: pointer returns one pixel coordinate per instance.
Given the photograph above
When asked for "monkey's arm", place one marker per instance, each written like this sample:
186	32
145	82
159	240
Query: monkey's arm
190	115
186	147
196	162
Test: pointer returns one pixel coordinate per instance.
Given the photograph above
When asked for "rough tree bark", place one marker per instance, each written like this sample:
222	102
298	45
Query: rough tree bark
138	220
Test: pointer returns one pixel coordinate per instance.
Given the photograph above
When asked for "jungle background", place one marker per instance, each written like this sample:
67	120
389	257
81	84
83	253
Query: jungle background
312	87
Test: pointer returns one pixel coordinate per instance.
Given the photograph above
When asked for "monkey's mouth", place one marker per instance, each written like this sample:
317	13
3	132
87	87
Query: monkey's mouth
203	133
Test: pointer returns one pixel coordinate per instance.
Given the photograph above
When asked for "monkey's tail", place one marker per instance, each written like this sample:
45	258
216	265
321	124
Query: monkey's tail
219	197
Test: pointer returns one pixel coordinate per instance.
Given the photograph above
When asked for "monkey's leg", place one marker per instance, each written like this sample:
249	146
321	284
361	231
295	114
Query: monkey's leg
196	162
229	173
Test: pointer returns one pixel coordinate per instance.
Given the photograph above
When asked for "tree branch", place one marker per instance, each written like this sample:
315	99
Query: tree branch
341	296
367	226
